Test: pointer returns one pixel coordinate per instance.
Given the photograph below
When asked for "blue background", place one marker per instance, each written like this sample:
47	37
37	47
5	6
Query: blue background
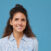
39	13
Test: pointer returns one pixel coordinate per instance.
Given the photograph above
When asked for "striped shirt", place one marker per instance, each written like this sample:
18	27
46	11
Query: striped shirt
26	44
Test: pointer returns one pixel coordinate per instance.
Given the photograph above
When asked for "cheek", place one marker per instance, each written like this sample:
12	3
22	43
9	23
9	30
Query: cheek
25	24
14	24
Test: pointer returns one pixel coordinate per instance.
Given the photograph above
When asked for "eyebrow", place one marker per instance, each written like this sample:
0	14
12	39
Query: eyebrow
18	18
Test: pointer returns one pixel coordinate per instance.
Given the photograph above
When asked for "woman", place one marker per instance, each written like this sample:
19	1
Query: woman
18	35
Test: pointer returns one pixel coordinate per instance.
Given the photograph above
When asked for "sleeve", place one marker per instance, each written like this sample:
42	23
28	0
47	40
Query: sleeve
0	46
35	44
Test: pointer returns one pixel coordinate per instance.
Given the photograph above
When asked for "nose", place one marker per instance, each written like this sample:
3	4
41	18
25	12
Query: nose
20	23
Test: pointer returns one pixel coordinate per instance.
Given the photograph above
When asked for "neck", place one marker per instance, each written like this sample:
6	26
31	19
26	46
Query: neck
17	35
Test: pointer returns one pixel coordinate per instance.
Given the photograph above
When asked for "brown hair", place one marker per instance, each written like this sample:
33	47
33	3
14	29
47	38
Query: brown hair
9	29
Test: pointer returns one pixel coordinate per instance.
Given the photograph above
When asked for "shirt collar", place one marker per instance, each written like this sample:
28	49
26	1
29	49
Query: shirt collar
12	37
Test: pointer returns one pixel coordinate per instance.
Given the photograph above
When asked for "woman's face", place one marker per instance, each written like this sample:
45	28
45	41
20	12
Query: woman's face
18	22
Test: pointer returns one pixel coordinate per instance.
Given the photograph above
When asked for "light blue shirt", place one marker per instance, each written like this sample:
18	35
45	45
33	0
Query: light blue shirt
26	44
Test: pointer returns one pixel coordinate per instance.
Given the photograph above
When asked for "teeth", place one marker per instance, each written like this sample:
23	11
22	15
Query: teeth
19	27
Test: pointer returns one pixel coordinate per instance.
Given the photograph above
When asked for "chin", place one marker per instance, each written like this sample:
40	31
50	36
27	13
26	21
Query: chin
19	31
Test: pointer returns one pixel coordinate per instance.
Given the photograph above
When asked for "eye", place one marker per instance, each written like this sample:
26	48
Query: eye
23	19
16	19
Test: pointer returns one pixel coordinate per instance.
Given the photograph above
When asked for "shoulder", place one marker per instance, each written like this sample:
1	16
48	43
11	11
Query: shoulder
33	39
2	40
35	44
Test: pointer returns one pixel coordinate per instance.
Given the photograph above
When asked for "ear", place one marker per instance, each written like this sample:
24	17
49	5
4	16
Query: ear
10	22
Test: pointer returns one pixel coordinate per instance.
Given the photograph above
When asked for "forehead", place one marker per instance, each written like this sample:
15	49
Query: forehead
19	15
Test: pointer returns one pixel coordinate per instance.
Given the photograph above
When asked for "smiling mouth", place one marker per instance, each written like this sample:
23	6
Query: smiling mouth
19	27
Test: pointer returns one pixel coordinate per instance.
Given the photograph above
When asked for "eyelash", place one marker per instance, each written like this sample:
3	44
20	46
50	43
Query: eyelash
23	19
16	19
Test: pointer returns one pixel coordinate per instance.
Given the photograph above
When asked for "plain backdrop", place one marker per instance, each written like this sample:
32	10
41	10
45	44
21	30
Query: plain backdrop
39	14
